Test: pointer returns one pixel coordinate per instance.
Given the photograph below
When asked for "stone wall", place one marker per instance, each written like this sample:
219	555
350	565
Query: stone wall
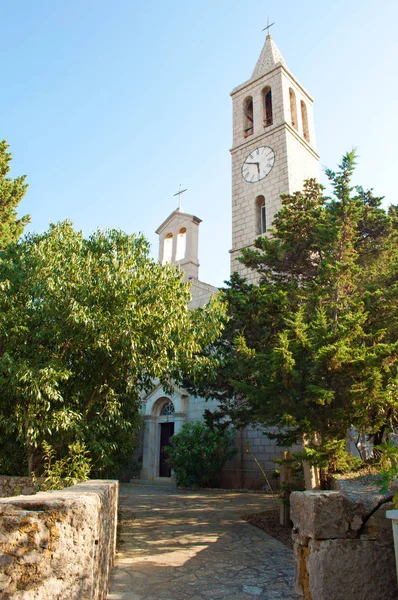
343	544
242	471
14	486
58	545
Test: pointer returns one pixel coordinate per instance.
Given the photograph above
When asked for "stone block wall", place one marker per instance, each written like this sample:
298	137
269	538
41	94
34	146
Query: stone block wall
242	471
201	293
343	544
58	545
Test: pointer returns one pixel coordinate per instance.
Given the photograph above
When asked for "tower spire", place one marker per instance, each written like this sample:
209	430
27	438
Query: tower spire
270	55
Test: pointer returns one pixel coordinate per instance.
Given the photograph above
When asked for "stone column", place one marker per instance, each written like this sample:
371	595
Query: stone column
179	420
149	448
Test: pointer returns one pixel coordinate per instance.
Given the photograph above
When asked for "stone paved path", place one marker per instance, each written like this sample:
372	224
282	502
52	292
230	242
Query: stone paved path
183	545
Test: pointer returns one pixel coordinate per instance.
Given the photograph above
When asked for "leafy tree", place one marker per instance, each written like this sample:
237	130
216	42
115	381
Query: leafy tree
12	192
312	349
85	326
198	453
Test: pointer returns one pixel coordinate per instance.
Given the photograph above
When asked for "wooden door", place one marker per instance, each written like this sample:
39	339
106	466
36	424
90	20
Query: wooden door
166	431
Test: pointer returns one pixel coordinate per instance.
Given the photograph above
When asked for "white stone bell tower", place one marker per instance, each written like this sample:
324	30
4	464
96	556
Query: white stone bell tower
178	245
273	149
178	242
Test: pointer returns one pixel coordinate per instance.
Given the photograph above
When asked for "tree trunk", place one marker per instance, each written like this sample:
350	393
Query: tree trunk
30	451
30	461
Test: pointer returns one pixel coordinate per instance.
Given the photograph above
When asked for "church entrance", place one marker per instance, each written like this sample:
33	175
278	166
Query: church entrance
164	418
166	431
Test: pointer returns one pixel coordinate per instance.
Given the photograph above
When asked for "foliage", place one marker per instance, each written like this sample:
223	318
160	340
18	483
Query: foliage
312	349
13	460
12	192
86	325
66	471
388	467
198	452
332	457
291	474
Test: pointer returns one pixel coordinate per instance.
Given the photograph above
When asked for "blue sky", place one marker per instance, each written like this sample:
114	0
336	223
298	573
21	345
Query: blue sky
108	107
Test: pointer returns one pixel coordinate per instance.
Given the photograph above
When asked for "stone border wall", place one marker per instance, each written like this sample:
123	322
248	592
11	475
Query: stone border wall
58	545
343	544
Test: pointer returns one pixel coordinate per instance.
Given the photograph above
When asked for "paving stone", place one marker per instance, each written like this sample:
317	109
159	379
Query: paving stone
253	590
184	545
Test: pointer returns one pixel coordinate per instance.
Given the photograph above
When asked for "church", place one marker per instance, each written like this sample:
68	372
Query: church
273	152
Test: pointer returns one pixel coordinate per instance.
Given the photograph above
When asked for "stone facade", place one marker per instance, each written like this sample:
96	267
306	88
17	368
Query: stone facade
290	133
201	293
292	139
184	407
178	242
58	545
343	544
242	472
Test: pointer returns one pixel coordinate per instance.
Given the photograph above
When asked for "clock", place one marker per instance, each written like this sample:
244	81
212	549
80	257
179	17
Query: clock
258	164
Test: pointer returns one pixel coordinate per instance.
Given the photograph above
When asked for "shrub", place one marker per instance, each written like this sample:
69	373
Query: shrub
388	467
198	452
66	471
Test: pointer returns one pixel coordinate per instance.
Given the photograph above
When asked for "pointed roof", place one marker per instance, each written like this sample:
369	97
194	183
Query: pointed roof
269	58
176	212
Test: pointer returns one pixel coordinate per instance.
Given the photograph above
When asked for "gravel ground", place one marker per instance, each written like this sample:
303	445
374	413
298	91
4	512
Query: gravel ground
268	521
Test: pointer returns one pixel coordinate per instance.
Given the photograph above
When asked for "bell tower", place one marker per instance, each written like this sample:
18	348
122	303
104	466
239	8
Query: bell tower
178	242
273	148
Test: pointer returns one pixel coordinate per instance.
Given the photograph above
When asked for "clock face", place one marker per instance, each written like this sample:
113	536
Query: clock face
258	164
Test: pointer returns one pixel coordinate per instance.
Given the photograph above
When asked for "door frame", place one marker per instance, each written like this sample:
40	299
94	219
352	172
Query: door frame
153	405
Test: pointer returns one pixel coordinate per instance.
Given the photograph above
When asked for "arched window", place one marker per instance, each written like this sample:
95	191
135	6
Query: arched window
181	243
167	409
304	118
293	108
267	106
167	248
261	215
248	117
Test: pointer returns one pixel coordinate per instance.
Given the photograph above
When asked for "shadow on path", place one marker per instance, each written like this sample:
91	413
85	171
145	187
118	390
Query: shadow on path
183	545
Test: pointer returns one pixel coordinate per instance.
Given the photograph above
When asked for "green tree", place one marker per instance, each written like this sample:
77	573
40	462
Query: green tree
312	349
12	192
198	453
85	326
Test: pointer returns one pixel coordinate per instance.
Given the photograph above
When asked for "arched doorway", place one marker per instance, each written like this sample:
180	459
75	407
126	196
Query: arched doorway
164	414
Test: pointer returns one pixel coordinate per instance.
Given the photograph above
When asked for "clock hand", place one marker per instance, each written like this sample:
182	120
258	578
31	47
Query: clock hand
255	163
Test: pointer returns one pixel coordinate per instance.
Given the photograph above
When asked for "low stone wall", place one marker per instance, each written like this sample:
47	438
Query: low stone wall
343	544
14	486
58	545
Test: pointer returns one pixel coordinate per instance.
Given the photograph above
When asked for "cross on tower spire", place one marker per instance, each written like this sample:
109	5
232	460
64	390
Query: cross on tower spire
179	194
268	26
